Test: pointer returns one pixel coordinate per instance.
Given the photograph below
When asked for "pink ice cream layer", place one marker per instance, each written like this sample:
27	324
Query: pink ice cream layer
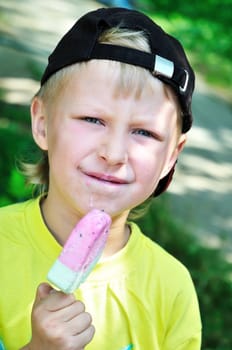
86	241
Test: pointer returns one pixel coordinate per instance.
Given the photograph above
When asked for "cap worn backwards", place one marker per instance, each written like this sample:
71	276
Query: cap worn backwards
167	60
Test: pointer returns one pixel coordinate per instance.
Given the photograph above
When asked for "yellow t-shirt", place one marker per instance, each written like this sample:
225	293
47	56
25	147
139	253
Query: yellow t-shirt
141	298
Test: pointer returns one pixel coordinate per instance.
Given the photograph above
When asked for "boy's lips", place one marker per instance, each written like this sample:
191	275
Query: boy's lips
107	178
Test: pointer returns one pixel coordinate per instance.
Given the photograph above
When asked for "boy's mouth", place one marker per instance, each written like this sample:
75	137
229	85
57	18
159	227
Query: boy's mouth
106	178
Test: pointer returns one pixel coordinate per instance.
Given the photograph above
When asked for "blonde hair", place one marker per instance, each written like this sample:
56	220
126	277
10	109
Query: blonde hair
130	76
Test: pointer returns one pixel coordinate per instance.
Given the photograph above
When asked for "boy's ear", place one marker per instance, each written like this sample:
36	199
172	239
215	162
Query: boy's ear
173	158
39	123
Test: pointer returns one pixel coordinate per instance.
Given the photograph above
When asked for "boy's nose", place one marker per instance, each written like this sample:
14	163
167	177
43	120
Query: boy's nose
114	149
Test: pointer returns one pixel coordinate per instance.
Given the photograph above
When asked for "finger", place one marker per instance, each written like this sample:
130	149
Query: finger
43	290
85	337
57	300
73	310
53	300
79	324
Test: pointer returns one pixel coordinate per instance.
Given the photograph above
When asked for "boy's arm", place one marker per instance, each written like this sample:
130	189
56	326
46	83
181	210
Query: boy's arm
59	322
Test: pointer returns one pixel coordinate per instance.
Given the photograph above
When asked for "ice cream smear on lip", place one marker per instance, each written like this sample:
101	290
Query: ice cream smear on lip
81	251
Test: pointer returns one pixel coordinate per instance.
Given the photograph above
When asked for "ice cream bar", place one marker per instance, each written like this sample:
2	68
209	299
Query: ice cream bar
81	251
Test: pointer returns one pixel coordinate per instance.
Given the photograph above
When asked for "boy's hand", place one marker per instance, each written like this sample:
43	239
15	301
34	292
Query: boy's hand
59	322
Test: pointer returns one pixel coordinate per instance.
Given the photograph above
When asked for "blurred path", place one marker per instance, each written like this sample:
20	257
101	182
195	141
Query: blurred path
201	192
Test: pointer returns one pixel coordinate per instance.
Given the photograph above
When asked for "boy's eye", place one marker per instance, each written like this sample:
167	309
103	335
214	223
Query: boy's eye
92	120
143	132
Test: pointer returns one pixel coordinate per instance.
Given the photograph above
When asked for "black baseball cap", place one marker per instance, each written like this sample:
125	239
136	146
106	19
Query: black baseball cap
167	60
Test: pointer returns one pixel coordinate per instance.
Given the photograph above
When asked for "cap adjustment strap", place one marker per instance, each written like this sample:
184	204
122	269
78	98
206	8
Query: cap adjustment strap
159	66
163	67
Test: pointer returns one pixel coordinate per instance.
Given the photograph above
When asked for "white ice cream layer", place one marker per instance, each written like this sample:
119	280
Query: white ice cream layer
64	278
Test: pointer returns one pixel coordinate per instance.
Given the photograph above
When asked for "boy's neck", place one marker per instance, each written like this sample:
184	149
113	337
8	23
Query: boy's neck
117	240
61	226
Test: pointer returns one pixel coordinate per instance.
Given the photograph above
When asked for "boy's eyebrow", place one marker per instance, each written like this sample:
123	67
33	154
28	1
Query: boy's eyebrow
96	109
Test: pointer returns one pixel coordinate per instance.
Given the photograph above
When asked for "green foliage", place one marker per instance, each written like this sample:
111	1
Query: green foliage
15	139
211	273
203	29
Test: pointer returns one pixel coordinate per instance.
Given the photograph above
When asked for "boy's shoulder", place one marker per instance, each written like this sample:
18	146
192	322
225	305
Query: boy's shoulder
14	209
12	217
159	271
158	258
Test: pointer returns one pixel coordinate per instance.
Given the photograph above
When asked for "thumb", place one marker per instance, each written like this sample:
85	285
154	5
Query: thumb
43	290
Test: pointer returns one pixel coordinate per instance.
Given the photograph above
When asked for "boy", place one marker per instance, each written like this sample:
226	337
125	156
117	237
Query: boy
111	119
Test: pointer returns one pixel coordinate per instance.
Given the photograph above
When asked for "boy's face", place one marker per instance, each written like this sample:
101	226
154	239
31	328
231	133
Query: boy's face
106	149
